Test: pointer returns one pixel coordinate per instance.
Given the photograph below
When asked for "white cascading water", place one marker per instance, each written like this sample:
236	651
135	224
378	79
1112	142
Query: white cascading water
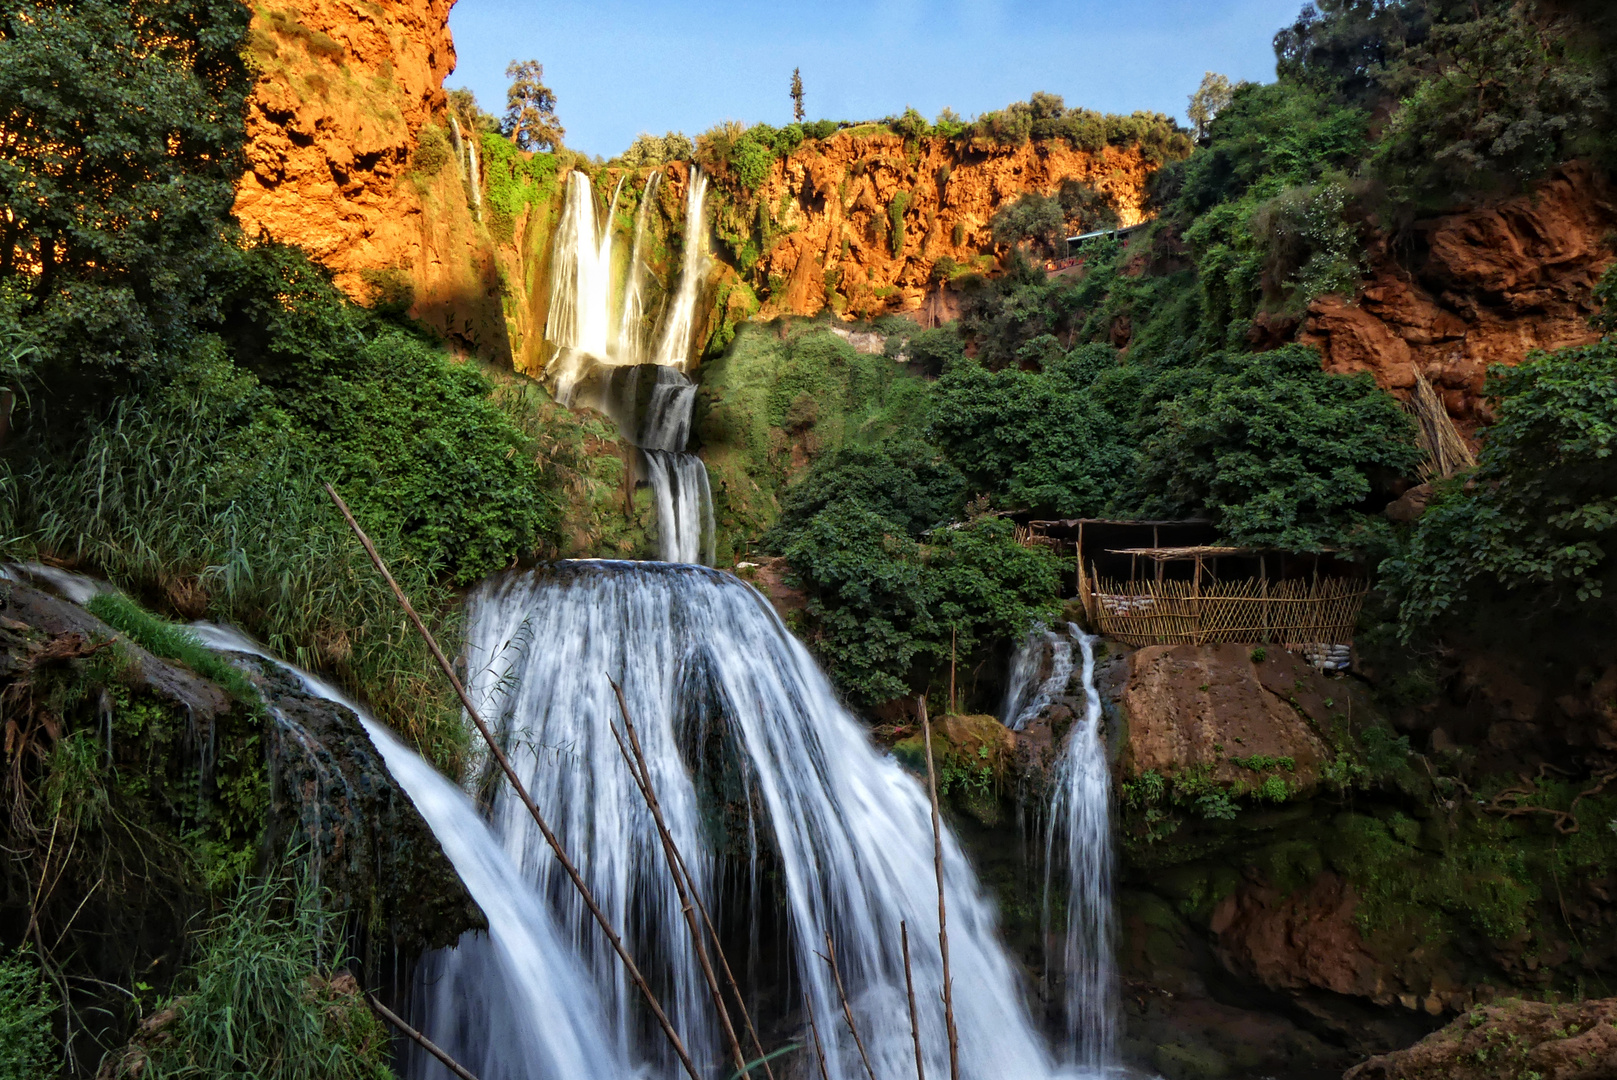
679	321
1079	845
695	648
586	339
631	336
1027	694
533	987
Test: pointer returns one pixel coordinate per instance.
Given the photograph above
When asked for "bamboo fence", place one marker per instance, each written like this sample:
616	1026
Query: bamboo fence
1295	611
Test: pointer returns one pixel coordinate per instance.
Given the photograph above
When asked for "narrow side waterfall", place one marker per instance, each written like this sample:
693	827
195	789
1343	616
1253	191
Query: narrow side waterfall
679	321
1040	672
631	337
749	749
522	978
580	317
1079	845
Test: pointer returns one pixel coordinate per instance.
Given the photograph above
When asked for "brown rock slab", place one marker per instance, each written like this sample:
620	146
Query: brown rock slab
1508	1040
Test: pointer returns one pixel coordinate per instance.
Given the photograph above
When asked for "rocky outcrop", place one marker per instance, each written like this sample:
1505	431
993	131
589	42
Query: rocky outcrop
864	218
1508	1040
1228	711
1487	286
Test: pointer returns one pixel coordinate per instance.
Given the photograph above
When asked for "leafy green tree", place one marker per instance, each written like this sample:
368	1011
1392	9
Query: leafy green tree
907	482
1279	453
123	128
1208	101
1040	439
530	108
1032	217
1540	509
797	95
1343	47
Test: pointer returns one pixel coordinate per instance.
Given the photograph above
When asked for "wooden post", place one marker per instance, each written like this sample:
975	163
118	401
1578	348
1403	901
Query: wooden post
943	917
1196	602
1263	587
953	710
847	1010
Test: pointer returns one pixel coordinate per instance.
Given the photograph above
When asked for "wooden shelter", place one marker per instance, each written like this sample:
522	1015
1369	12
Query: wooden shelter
1193	589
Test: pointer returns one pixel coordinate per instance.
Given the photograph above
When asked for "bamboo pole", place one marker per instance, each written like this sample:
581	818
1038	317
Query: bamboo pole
909	988
830	957
682	885
943	918
814	1029
419	1039
521	790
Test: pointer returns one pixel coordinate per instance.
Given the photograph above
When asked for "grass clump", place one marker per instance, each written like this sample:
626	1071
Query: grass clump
267	1001
170	641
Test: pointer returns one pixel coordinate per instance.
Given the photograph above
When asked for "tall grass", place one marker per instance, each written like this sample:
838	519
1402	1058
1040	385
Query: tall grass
27	1047
266	1003
209	510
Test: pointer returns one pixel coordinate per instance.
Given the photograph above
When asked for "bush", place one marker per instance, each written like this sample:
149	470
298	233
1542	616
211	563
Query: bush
27	1046
1278	452
1540	509
432	150
1032	217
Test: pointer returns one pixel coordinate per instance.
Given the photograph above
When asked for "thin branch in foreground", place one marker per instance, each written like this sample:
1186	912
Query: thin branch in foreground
419	1039
682	885
943	920
830	957
909	988
504	762
814	1029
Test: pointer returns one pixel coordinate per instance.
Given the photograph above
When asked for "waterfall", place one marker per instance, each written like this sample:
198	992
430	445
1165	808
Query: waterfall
1026	694
1079	842
522	978
679	322
631	340
750	751
580	287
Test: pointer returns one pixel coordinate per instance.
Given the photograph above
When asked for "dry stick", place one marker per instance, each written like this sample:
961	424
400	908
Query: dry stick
642	780
830	957
419	1039
814	1029
943	921
909	988
707	920
504	762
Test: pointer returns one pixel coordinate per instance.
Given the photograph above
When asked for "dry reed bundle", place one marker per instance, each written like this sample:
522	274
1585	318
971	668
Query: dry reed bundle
1445	448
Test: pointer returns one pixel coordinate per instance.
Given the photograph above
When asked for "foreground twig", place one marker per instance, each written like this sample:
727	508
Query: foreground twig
943	921
830	957
909	988
676	869
419	1039
814	1029
504	762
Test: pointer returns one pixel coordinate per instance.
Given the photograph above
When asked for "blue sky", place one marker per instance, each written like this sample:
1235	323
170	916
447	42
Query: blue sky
620	67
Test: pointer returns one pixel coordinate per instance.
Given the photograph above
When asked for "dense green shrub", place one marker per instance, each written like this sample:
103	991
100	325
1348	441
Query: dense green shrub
1540	509
906	482
1032	216
1278	452
27	1046
1042	440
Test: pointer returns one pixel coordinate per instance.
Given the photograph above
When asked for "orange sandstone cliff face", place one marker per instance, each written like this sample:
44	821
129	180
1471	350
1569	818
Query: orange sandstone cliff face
866	218
344	89
1489	286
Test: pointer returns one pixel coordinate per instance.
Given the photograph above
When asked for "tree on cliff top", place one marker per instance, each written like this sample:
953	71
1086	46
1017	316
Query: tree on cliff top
797	95
530	108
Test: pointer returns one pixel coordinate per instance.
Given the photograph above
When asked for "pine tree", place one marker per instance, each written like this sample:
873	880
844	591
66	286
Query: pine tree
530	108
797	95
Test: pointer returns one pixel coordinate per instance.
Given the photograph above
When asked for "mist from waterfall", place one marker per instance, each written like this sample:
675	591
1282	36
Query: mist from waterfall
727	701
522	977
1079	852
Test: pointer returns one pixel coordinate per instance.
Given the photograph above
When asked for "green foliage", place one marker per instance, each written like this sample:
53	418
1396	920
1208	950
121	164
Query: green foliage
172	642
432	150
882	605
512	181
905	482
267	1003
530	108
1540	509
27	1045
124	127
1050	440
1280	453
1032	216
912	125
895	218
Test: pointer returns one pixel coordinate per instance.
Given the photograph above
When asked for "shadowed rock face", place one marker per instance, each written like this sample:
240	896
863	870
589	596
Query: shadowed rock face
1483	287
1508	1040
